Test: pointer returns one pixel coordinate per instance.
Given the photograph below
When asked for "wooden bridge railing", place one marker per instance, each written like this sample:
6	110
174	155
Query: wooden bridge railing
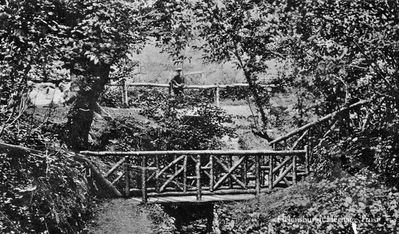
179	173
305	137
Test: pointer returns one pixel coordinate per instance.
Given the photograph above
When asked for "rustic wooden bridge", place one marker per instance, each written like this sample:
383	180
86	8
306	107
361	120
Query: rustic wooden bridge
203	176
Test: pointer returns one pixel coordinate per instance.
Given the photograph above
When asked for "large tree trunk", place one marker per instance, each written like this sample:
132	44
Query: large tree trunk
80	116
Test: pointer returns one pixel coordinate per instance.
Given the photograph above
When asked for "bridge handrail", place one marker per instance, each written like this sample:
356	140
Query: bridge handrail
219	174
322	119
195	152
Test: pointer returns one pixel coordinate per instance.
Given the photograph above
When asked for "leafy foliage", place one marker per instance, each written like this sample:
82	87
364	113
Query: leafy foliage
180	123
42	194
324	207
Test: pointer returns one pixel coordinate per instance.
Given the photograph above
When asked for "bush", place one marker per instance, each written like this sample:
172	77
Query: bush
359	202
177	123
42	194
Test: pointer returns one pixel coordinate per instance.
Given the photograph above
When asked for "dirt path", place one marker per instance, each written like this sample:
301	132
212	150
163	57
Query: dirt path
119	216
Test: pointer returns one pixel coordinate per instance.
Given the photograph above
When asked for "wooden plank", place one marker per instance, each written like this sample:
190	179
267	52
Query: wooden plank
119	163
205	199
204	192
247	153
228	174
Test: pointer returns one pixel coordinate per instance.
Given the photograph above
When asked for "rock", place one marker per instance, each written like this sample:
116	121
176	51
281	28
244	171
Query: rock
44	94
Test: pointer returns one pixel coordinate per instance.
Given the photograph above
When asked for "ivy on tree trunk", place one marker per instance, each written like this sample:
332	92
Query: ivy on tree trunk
80	116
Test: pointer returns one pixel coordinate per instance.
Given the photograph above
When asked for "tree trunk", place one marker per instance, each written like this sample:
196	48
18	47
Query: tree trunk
80	116
258	103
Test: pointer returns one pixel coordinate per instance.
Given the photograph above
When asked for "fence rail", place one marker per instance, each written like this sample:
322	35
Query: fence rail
179	173
125	86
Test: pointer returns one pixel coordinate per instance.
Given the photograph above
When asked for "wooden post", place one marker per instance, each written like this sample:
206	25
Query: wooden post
230	165
294	169
271	180
307	160
198	172
261	173
185	175
245	171
217	95
157	171
125	99
257	174
212	180
144	180
127	177
309	150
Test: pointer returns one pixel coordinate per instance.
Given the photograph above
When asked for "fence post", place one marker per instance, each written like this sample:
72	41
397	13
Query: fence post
217	96
127	177
157	173
144	179
271	180
198	172
309	148
306	160
185	175
211	182
257	174
125	100
294	169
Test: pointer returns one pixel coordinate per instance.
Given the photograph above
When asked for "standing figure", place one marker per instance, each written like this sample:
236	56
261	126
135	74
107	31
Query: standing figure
177	83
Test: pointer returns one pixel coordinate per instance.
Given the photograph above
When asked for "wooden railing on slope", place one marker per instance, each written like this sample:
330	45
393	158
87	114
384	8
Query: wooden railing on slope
179	173
303	136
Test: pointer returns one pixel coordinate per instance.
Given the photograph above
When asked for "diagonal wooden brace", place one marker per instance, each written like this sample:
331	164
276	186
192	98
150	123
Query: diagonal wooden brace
172	178
170	165
229	173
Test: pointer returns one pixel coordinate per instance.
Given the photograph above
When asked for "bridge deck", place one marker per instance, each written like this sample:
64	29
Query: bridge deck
192	199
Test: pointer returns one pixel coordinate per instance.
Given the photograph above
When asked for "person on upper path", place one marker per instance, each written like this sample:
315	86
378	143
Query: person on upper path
177	83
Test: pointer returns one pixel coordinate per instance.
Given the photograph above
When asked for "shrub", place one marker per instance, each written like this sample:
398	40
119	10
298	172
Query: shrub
359	202
42	194
180	123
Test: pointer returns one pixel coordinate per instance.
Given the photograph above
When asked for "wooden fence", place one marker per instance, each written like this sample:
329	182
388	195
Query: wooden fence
217	87
180	173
